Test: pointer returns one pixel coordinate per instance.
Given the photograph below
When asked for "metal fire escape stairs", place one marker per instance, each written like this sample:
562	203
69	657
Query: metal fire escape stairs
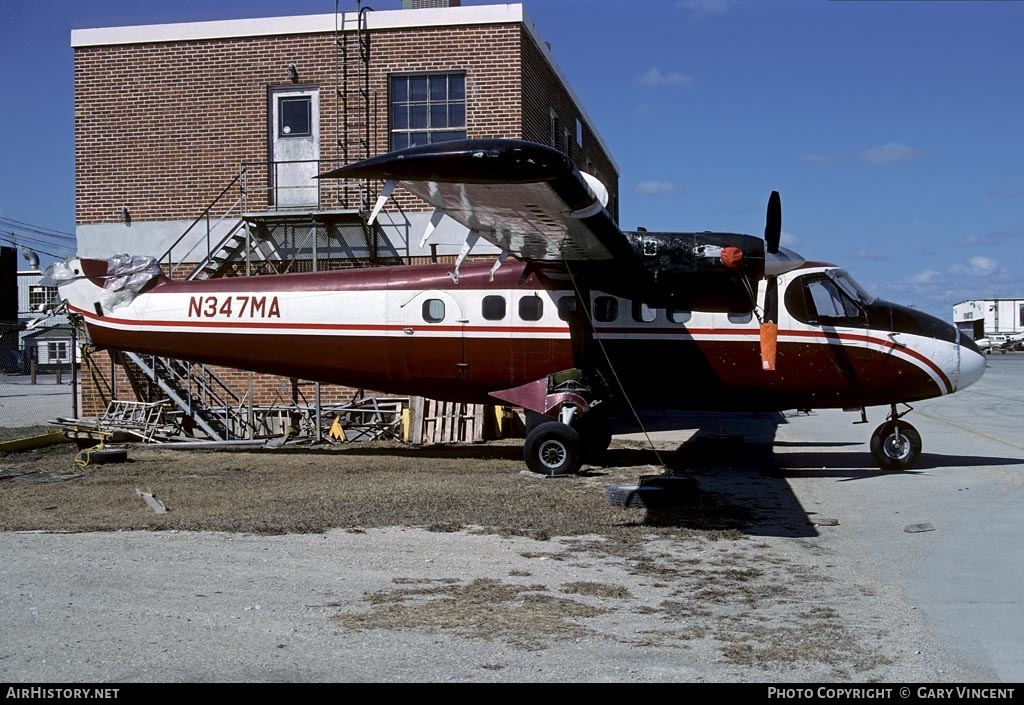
241	242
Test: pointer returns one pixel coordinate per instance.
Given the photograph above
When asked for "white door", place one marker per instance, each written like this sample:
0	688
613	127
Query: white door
295	146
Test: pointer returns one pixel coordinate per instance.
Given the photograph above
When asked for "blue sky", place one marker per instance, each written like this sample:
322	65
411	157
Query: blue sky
893	130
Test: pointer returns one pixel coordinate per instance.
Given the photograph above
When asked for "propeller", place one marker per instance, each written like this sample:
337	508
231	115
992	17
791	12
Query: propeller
769	323
773	224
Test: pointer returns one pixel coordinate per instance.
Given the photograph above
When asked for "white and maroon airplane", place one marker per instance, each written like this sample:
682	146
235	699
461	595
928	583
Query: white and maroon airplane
585	318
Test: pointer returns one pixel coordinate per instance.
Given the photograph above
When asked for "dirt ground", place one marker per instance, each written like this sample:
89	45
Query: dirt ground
306	489
712	579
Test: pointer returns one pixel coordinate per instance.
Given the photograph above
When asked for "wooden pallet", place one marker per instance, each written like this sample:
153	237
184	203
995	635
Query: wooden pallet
432	422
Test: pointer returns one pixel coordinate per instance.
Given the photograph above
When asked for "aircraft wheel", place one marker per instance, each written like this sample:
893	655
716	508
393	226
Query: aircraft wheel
595	434
895	453
552	448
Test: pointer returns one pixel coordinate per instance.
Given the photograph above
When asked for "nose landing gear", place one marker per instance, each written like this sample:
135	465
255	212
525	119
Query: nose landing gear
896	445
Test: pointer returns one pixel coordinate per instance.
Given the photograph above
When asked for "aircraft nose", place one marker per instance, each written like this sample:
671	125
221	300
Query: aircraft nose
972	364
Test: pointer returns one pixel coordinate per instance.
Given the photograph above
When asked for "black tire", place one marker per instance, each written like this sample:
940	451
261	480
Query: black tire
895	453
552	448
595	434
655	493
103	456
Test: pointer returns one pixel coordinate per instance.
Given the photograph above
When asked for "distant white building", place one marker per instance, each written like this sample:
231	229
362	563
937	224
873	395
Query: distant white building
50	350
51	347
981	318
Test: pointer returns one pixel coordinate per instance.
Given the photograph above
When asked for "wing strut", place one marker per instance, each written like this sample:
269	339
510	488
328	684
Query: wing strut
385	194
498	262
435	220
471	240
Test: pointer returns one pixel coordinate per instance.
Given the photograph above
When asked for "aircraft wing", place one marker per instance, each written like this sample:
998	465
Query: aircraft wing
526	198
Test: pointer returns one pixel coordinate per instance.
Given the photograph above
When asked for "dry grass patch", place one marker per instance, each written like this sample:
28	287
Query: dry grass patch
525	616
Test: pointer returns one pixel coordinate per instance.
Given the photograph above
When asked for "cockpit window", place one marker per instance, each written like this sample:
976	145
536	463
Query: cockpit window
850	286
828	300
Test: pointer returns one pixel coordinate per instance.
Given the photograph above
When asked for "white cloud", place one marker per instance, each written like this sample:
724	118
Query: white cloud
705	8
977	267
889	153
656	78
936	290
654	187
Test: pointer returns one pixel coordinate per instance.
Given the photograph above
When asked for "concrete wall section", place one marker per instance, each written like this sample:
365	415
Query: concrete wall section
150	238
402	232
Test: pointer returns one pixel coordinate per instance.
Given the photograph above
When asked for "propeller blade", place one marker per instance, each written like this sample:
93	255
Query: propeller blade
773	223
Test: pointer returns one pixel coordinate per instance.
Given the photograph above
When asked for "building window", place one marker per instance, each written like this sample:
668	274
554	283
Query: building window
494	308
57	351
1021	319
295	116
427	109
39	297
531	308
556	131
579	133
433	310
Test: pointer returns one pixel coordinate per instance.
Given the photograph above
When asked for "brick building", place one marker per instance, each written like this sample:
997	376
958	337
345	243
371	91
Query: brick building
196	143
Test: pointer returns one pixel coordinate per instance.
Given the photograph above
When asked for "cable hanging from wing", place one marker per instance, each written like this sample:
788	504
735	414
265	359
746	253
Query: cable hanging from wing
611	366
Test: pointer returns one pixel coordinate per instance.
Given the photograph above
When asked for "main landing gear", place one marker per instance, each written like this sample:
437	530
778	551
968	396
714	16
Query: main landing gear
565	421
559	448
896	445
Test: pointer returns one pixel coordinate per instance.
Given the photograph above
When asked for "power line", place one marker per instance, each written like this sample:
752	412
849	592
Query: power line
16	239
37	229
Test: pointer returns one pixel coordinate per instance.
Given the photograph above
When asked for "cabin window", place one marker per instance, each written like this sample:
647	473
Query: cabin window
677	316
606	309
427	109
566	307
296	116
531	308
742	317
494	308
642	313
433	310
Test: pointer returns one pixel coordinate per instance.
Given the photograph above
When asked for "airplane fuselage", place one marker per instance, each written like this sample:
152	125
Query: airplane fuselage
412	331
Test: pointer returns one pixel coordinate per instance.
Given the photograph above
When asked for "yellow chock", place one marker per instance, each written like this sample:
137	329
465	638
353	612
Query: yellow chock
337	432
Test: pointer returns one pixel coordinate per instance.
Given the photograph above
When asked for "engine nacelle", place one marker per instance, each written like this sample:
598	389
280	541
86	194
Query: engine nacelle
702	271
